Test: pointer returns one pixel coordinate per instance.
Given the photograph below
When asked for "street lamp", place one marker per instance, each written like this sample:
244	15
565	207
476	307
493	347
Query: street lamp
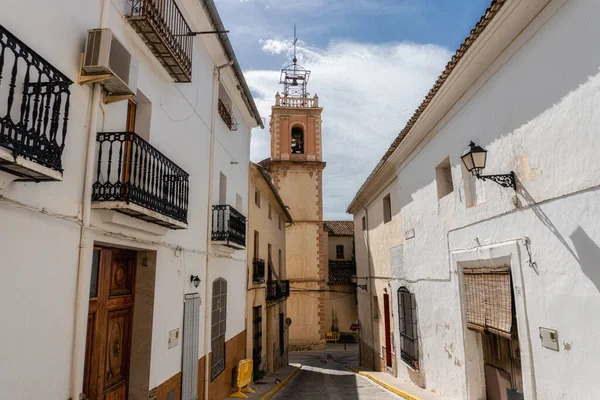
195	279
354	280
474	159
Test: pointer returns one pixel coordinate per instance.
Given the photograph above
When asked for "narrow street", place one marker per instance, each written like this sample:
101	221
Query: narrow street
324	376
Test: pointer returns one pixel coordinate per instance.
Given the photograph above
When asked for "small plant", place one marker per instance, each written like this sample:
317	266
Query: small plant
259	374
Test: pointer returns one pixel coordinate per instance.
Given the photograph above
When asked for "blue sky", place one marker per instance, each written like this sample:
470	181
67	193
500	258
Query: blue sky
372	63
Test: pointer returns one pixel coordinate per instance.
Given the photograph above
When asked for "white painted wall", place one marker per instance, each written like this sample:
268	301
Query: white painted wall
534	111
41	223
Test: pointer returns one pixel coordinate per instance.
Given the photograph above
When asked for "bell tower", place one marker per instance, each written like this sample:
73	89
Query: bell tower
296	166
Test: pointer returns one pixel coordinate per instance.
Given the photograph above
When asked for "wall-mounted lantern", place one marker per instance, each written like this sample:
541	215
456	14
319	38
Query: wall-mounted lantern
354	280
474	159
195	279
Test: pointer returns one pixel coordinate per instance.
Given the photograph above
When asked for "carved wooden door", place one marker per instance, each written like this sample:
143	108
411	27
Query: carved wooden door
109	324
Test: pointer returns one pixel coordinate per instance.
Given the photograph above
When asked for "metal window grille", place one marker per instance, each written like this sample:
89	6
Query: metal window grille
218	326
228	225
258	271
407	312
257	338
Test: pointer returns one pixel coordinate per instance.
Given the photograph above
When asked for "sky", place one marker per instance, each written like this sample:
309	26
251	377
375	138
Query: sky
372	63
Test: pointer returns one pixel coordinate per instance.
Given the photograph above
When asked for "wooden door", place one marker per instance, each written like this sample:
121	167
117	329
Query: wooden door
388	339
502	358
110	317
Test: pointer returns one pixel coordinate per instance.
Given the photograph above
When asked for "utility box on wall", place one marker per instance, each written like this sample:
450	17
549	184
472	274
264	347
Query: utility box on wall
549	338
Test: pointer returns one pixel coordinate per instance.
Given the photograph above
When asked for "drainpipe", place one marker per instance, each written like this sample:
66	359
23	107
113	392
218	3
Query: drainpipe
85	265
207	278
370	286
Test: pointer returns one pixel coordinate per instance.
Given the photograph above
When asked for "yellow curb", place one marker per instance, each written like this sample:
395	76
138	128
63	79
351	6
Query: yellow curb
281	384
391	388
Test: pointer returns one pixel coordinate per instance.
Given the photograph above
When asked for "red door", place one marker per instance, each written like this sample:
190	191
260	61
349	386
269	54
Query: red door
388	338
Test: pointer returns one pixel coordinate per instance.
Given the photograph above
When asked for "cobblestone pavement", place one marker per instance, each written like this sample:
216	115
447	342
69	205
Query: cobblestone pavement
324	376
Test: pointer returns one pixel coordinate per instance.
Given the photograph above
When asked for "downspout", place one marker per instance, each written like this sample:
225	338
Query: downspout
85	265
369	264
207	278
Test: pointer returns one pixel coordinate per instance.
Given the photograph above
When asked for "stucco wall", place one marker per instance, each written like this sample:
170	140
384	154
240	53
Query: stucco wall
537	110
46	217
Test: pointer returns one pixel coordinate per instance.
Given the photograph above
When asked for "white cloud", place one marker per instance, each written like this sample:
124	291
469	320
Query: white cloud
368	92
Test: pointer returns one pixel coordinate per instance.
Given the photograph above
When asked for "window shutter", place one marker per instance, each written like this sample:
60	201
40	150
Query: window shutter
488	293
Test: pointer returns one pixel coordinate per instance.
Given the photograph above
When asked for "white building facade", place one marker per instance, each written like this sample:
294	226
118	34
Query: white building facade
496	289
114	199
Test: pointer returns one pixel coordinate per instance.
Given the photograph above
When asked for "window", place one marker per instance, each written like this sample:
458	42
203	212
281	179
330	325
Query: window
364	223
375	309
443	177
256	244
257	338
218	326
339	251
407	314
297	140
270	212
257	198
222	189
387	209
280	263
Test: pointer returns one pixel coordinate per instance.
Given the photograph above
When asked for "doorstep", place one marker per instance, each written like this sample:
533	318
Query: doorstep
273	382
402	388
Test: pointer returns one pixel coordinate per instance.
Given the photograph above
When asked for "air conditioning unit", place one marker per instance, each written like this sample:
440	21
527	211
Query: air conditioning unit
104	54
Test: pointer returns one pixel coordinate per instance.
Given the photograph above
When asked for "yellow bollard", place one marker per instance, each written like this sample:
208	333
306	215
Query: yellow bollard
244	376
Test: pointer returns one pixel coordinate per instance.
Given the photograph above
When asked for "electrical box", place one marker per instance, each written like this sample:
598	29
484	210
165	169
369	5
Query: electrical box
173	338
549	338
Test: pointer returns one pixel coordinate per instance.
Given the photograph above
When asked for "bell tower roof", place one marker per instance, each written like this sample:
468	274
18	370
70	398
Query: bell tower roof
294	77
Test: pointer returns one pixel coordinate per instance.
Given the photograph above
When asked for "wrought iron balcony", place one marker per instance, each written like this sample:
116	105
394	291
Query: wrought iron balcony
228	227
277	290
164	30
258	271
34	104
135	178
227	116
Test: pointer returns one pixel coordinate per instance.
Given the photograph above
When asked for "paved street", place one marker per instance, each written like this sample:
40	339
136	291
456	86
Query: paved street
324	376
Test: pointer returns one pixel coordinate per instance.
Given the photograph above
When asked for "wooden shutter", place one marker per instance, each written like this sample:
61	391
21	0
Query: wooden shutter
488	292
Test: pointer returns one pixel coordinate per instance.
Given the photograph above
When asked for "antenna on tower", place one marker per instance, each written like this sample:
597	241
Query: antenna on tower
294	77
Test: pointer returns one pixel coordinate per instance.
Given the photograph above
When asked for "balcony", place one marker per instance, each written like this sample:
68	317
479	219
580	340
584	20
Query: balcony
258	271
227	116
162	27
228	227
277	291
296	102
34	104
134	178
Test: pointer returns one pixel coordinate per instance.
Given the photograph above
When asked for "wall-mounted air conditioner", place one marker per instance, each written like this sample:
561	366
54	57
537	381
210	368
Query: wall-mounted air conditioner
104	54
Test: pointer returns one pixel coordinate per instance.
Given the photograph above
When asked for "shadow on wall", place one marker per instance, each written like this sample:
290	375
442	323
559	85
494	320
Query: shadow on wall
588	254
586	251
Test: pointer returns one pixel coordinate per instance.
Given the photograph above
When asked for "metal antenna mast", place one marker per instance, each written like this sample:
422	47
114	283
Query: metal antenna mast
294	77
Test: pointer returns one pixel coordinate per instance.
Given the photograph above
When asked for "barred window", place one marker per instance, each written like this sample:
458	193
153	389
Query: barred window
407	313
339	251
218	326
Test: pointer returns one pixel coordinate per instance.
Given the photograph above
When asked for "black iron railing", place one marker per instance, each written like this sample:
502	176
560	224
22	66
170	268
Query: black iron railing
164	30
132	170
277	290
34	103
258	271
228	225
225	114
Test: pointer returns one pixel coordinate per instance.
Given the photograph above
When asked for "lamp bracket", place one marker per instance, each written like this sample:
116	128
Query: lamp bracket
504	180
